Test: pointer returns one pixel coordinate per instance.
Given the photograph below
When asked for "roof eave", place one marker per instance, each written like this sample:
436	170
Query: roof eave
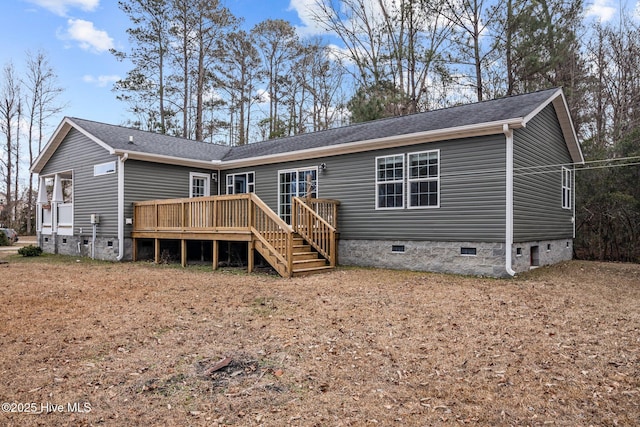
56	139
482	129
169	160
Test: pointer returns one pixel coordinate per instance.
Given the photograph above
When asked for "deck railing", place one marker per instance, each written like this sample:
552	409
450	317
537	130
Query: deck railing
246	213
314	221
194	214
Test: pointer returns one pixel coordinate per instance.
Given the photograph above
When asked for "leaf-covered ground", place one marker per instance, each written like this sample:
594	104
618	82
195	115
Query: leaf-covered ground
86	343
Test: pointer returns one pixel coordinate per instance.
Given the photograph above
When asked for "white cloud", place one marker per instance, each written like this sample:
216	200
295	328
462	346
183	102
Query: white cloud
263	96
602	10
306	10
87	36
60	7
101	81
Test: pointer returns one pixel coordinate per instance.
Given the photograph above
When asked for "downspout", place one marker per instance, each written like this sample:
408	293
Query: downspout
121	161
508	133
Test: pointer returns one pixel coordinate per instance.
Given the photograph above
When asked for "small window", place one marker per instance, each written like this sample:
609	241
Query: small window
104	168
398	249
199	184
240	183
390	182
468	251
64	241
567	179
548	247
110	243
518	251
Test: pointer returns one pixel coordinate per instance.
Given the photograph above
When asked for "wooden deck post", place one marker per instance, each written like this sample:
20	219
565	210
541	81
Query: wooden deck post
134	250
216	253
250	259
183	252
156	251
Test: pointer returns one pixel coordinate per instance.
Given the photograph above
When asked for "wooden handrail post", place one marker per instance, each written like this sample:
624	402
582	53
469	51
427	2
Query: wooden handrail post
294	214
290	254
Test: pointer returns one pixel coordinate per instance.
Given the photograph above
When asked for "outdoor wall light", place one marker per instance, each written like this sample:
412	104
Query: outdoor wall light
322	167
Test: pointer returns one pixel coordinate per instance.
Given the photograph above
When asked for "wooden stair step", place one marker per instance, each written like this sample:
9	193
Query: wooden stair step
309	263
297	256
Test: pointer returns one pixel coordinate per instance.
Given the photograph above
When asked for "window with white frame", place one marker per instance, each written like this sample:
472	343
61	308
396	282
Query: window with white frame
390	182
199	184
567	179
104	168
240	183
424	179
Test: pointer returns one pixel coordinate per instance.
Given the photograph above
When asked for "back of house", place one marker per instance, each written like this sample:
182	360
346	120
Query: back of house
482	189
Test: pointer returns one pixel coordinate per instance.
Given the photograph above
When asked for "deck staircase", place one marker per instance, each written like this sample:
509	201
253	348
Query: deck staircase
306	260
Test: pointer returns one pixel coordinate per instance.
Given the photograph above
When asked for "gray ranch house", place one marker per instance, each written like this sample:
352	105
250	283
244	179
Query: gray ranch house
482	189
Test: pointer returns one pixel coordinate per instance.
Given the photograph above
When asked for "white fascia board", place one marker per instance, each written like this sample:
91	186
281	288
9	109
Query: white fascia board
170	160
482	129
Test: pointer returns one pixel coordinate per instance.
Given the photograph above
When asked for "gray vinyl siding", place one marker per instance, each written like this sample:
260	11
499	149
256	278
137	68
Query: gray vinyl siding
472	191
539	152
91	194
151	181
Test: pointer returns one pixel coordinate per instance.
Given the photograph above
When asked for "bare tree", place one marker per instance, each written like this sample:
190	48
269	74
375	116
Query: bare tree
471	22
9	111
394	49
41	98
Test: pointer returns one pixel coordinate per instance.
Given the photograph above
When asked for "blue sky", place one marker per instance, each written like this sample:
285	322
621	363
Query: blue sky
77	34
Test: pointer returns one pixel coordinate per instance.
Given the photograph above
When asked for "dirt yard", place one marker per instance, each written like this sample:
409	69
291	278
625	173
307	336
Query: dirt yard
87	343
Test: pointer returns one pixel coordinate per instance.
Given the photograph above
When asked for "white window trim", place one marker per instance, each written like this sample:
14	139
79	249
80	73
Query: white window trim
410	180
207	182
232	186
378	182
567	181
105	164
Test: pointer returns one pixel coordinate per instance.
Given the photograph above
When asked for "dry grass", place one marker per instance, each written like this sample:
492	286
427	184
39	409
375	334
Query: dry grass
358	347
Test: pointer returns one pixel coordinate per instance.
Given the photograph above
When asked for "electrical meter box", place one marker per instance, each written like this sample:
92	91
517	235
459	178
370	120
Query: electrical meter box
95	219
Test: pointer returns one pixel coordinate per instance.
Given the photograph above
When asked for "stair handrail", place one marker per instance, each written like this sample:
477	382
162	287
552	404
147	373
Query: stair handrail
314	229
279	241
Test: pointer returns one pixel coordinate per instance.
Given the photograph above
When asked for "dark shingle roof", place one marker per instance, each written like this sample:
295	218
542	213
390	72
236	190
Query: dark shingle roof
496	110
464	115
117	137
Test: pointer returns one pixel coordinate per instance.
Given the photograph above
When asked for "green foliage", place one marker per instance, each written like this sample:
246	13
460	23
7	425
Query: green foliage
30	251
608	204
376	101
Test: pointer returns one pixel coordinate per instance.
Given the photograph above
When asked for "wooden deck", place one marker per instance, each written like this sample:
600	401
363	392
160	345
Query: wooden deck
307	245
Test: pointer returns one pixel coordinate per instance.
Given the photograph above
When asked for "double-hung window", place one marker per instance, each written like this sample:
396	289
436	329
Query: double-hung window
424	179
199	184
390	182
567	179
